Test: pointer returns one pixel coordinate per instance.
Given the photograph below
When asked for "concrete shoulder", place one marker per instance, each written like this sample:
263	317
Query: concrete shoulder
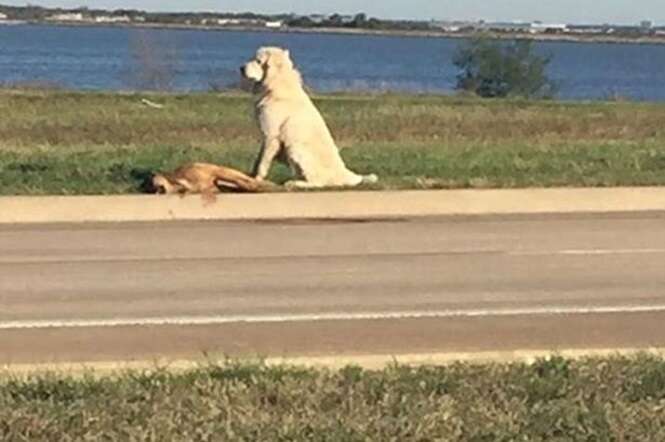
322	205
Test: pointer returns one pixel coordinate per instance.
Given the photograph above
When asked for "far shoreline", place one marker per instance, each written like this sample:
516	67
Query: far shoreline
559	38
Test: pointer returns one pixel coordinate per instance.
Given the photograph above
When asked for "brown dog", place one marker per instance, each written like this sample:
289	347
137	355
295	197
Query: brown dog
206	179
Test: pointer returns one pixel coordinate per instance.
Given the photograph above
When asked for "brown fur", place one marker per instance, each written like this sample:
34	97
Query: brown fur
207	179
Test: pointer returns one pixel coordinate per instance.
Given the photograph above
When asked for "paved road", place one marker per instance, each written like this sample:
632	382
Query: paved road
136	291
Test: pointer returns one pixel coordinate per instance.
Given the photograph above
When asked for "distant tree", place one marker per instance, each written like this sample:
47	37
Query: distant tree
334	21
301	22
374	23
154	62
359	21
493	68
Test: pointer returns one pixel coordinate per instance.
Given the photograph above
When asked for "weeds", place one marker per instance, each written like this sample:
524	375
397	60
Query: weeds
553	399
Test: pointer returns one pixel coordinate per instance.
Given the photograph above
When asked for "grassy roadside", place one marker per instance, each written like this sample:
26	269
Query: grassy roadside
55	142
601	399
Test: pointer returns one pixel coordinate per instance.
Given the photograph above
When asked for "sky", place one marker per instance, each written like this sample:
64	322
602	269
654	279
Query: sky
553	11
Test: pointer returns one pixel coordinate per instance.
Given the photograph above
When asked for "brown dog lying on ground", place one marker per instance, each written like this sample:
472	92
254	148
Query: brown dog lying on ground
206	179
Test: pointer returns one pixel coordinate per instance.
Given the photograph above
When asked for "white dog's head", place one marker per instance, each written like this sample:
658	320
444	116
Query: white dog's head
269	65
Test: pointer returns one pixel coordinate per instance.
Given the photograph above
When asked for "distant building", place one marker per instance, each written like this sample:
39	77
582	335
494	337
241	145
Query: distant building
69	16
274	24
507	26
238	22
451	26
112	19
317	18
3	16
591	29
538	27
525	27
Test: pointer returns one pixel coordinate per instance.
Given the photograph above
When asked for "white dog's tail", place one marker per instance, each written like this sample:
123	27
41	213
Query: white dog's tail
370	179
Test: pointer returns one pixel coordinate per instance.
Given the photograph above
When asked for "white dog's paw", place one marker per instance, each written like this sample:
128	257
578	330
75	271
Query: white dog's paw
293	185
297	184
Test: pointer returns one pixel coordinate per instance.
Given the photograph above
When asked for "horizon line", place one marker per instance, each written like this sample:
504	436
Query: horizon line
369	16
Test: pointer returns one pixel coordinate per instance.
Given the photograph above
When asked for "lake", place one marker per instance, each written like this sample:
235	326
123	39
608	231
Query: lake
109	58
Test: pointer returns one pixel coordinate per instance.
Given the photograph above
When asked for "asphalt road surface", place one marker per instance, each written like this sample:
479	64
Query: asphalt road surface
109	292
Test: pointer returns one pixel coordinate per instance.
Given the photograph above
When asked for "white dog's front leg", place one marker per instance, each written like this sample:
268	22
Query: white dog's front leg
268	153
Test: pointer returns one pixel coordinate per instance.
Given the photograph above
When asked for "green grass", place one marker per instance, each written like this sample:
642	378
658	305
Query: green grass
58	142
605	399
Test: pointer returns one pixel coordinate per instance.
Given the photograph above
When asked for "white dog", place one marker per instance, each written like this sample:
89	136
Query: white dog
292	127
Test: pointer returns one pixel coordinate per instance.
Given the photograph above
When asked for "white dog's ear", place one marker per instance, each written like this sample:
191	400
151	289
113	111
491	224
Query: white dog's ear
285	59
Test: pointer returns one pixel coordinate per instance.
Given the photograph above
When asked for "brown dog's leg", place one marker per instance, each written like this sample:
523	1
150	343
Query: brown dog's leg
231	179
209	194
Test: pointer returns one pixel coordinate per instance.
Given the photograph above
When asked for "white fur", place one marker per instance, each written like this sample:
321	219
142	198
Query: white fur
292	127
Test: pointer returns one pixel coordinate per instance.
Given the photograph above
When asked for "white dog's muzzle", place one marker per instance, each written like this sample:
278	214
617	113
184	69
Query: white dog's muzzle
253	71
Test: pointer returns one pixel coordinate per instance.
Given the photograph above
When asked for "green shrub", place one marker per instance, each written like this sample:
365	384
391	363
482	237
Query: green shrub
502	69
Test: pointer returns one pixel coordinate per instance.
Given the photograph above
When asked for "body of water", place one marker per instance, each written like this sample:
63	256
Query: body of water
107	58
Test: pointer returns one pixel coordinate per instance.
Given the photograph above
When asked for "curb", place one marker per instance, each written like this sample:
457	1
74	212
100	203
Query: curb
327	205
336	362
